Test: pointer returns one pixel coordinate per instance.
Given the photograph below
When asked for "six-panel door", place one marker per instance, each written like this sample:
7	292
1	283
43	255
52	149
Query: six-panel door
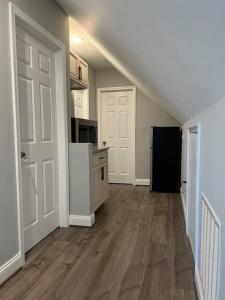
36	89
116	132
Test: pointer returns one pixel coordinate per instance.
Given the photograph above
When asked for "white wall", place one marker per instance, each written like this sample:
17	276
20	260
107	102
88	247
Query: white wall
50	16
147	114
92	93
212	164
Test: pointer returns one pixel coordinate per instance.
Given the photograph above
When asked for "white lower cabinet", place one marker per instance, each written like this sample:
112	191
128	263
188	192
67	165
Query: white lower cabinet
100	186
104	184
89	189
96	187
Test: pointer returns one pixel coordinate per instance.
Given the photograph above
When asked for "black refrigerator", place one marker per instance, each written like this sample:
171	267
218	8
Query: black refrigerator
166	159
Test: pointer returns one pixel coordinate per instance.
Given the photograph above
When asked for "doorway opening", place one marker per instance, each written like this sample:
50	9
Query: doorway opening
116	130
35	54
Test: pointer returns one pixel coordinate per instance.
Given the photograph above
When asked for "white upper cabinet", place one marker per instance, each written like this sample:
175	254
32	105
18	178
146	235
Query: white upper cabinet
74	64
83	72
78	73
81	104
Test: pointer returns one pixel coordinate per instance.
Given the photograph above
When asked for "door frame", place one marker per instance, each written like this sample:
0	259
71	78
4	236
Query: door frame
16	15
133	89
194	129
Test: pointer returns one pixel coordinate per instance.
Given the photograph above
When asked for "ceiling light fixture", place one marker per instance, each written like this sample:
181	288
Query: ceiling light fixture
76	39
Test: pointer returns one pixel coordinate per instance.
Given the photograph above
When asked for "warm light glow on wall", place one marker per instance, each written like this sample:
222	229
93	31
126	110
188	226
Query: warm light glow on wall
76	40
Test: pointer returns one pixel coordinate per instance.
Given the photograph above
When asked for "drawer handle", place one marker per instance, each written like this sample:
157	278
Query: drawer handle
101	157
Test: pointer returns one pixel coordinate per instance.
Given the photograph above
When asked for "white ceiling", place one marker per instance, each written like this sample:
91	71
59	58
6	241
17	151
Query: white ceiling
86	49
173	50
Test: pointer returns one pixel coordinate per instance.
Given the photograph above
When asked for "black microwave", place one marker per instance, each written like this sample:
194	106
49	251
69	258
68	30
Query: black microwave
84	131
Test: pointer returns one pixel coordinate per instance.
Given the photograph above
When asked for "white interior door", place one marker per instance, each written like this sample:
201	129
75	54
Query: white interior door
192	188
116	132
36	87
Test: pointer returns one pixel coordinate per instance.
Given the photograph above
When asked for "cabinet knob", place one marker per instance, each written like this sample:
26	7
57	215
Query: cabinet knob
104	143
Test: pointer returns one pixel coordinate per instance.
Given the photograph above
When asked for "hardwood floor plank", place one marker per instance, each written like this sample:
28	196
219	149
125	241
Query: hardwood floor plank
137	250
132	281
117	257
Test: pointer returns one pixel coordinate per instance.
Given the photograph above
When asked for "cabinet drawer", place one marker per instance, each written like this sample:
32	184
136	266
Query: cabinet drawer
100	158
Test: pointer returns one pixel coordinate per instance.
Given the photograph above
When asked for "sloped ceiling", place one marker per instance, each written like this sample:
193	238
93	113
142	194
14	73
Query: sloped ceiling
173	50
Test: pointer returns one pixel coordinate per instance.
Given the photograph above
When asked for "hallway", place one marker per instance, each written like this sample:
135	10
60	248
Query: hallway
137	249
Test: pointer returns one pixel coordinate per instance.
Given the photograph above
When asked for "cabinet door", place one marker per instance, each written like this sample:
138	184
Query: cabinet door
104	185
81	104
78	104
96	187
84	72
74	66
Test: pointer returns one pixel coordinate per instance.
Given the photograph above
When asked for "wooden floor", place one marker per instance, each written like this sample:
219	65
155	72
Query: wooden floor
137	249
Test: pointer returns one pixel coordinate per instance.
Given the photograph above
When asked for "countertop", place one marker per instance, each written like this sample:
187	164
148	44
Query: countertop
97	149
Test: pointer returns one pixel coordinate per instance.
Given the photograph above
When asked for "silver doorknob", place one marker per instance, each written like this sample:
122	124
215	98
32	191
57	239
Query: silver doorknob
23	155
104	143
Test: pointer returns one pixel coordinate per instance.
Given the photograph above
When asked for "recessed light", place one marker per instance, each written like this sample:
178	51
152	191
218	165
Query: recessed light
76	39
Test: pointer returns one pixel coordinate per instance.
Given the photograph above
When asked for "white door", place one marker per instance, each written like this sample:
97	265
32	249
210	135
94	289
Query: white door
193	138
36	87
116	132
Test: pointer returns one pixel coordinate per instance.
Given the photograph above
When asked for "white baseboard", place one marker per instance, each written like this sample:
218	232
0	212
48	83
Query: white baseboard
199	285
184	207
79	220
142	181
10	267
